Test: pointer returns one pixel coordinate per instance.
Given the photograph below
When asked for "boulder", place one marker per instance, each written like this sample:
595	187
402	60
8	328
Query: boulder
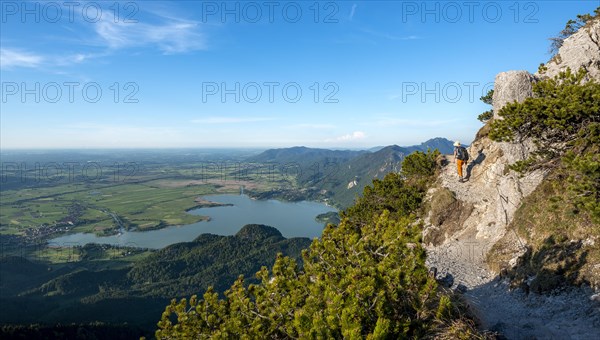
511	86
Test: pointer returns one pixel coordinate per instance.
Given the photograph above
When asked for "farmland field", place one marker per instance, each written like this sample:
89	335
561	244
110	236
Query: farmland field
143	195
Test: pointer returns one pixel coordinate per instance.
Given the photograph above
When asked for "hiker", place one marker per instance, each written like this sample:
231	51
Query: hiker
461	156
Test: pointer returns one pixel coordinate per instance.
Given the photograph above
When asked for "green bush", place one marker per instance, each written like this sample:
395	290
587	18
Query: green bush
487	99
559	109
420	164
365	278
487	115
393	194
563	119
582	164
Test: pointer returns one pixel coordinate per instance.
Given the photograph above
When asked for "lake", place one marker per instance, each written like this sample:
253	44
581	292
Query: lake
292	219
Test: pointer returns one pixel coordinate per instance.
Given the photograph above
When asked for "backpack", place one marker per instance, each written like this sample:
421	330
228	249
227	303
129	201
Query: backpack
462	153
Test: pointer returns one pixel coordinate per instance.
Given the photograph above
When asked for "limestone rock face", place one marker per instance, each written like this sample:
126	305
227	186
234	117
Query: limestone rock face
511	86
582	49
494	192
489	200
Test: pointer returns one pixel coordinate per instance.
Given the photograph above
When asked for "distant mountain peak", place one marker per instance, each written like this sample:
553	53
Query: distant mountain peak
443	144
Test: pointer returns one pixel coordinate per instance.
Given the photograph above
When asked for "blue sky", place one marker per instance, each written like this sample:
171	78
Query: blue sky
345	74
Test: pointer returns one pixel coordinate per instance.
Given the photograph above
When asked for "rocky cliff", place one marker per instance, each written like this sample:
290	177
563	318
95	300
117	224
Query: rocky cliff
467	219
582	49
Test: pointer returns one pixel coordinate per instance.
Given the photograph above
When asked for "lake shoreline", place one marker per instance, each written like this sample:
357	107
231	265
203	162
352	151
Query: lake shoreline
232	211
203	203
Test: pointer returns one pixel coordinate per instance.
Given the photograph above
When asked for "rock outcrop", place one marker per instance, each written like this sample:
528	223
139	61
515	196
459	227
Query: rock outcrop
511	86
488	202
493	192
490	196
582	49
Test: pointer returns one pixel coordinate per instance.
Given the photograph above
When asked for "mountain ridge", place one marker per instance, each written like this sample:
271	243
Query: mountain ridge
281	154
339	176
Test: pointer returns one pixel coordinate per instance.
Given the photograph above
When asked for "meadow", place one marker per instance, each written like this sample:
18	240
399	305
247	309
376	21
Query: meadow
151	196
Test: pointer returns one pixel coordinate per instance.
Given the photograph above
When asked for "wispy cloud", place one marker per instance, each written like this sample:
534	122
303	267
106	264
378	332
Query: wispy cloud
230	120
354	136
170	35
164	32
11	58
352	12
74	58
389	36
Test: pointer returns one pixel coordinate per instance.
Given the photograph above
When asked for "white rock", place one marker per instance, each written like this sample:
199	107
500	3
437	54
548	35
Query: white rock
511	86
495	194
582	49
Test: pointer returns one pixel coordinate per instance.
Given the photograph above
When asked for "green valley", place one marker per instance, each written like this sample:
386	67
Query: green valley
116	285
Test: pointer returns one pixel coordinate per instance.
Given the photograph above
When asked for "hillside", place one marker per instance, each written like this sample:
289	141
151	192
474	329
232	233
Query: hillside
88	291
210	260
350	178
340	176
303	155
442	144
525	223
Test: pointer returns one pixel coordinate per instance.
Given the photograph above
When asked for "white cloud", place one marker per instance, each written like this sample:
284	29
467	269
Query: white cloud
169	34
354	136
10	58
154	27
174	36
70	59
230	120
